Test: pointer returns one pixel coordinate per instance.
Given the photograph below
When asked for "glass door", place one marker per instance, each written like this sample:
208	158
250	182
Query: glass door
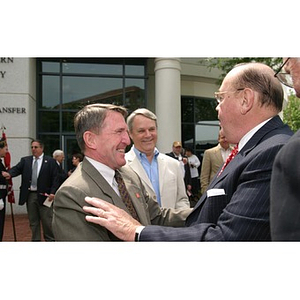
70	147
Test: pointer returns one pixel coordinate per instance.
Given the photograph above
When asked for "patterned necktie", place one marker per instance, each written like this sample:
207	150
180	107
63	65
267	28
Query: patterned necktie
230	157
125	196
34	174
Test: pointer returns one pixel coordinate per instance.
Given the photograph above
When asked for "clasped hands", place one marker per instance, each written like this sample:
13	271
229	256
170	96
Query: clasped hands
114	219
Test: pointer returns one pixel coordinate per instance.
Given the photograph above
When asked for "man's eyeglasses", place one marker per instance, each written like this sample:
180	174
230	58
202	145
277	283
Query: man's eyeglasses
220	95
284	78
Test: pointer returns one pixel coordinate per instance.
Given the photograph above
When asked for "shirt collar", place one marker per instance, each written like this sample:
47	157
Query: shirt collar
107	172
250	134
41	156
141	154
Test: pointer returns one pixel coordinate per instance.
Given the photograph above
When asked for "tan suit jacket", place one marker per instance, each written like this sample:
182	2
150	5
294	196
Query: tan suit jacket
69	222
212	161
171	183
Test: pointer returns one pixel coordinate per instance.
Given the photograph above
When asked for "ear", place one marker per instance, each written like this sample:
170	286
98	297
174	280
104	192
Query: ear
90	139
247	101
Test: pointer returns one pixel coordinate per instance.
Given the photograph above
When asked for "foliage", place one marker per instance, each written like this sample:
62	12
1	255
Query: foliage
226	64
291	113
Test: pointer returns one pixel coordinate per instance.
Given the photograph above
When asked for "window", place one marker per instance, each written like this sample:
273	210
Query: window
200	124
65	85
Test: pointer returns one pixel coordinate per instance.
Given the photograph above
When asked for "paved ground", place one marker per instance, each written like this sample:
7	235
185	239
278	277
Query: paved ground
23	232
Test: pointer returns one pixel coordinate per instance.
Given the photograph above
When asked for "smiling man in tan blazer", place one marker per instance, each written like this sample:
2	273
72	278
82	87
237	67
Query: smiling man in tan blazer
160	174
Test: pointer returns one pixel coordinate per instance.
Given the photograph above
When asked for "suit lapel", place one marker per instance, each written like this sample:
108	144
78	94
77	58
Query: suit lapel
134	163
102	184
30	162
161	170
218	156
44	162
135	194
133	190
254	140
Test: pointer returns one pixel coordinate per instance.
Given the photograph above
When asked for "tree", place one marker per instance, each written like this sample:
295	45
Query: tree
226	64
291	113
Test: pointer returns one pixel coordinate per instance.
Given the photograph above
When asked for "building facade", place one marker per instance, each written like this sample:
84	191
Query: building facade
40	96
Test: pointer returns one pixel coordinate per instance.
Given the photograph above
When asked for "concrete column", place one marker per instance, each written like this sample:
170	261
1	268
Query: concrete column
168	102
18	111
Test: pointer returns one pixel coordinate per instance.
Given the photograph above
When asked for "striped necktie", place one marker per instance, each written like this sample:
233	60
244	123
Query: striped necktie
230	157
125	196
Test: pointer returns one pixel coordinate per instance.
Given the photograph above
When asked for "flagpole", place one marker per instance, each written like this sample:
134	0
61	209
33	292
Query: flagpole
10	194
13	221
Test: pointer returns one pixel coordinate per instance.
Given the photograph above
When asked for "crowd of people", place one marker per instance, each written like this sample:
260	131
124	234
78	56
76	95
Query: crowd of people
41	176
249	188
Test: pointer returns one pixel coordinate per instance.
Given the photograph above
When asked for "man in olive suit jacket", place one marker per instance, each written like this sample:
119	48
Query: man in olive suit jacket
102	136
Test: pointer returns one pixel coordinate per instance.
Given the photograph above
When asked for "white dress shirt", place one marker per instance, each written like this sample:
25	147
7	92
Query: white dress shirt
107	172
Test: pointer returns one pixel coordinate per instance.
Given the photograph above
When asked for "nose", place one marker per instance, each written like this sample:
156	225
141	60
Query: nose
147	132
126	139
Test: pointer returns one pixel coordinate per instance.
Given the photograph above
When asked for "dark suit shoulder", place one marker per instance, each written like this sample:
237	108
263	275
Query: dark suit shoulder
171	154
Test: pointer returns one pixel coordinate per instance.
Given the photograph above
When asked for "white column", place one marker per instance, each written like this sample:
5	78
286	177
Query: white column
168	102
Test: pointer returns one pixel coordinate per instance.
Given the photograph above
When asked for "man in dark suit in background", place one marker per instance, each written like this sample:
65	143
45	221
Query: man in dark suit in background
177	154
236	205
62	175
38	184
285	187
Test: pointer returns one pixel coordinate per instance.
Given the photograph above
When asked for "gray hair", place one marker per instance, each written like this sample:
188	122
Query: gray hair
57	152
140	111
91	118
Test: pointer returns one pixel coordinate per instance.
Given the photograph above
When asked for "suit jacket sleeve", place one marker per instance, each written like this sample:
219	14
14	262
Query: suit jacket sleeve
18	168
182	198
157	215
205	171
69	222
242	213
285	191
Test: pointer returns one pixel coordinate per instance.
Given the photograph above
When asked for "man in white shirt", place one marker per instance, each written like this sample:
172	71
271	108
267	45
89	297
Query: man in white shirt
160	174
194	163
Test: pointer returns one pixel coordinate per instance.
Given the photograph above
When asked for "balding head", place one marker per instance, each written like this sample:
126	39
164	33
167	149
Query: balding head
260	78
249	95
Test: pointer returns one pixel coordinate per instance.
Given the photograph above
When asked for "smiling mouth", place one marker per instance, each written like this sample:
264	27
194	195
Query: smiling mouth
150	141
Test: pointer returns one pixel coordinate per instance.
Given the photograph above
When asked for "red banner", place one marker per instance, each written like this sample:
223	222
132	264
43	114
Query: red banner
10	191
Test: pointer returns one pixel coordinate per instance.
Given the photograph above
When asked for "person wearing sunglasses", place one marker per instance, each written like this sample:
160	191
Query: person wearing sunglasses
38	184
285	182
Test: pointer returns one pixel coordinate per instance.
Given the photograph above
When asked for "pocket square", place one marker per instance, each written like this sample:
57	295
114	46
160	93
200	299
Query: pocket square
215	192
